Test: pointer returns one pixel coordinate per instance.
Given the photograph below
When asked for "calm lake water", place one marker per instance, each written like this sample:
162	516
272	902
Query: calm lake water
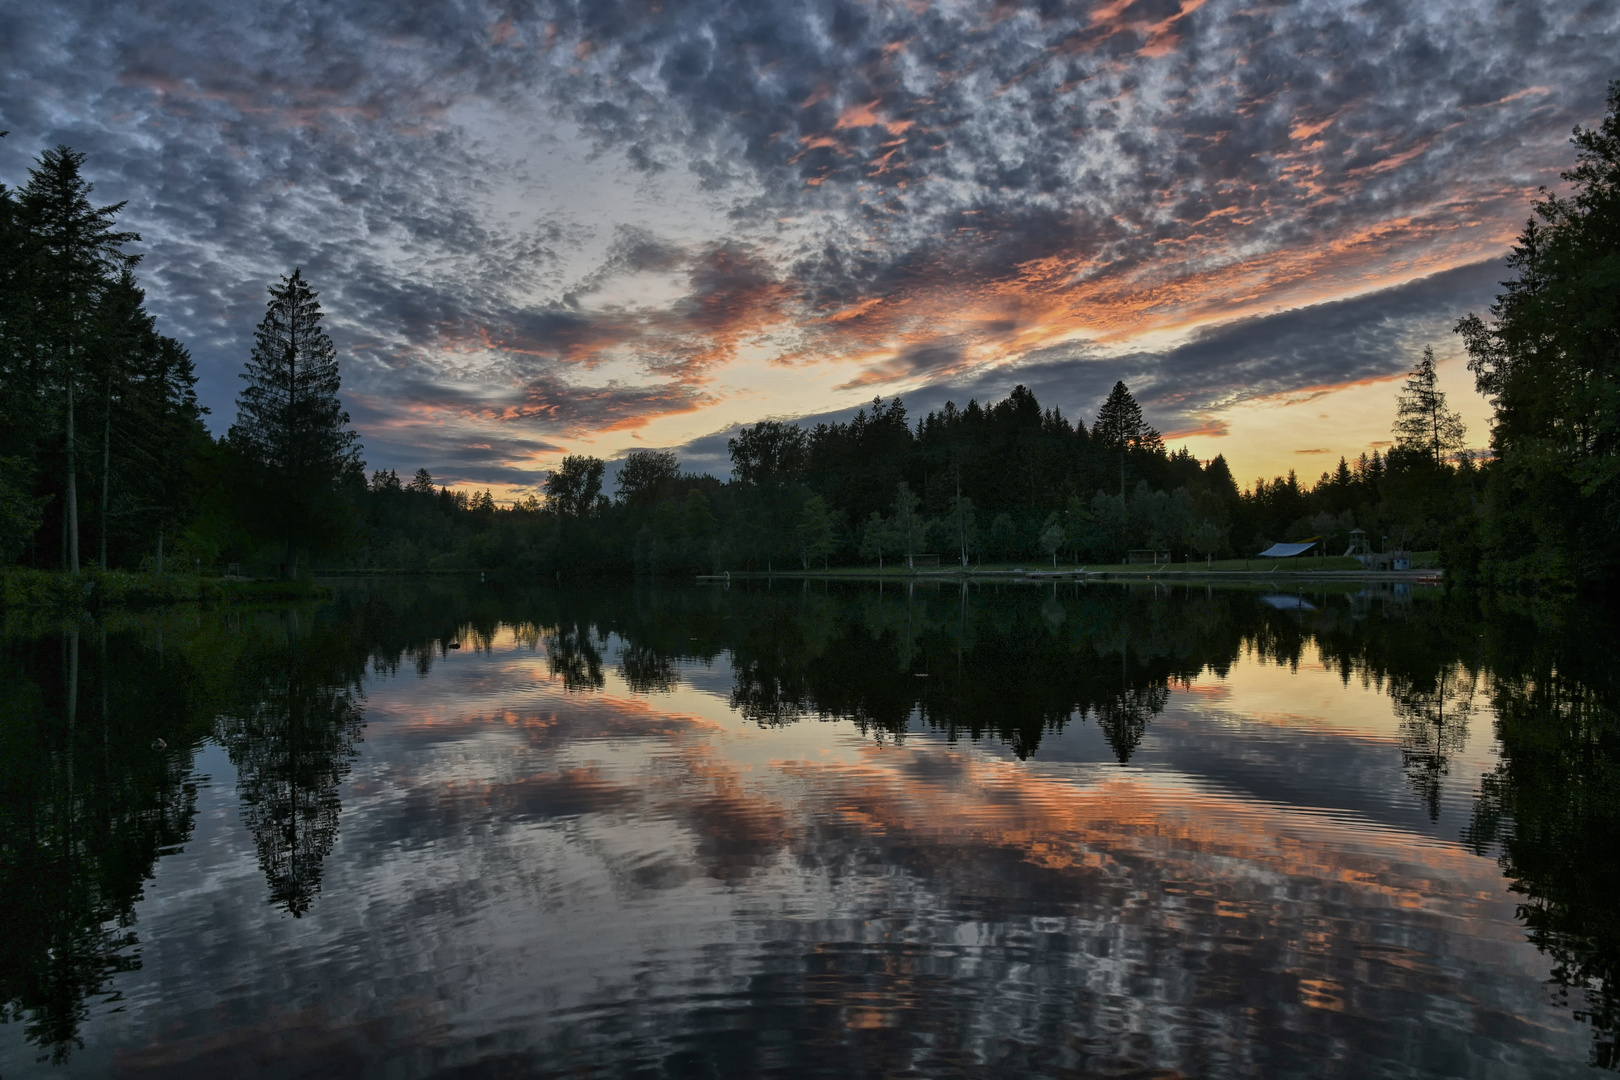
464	830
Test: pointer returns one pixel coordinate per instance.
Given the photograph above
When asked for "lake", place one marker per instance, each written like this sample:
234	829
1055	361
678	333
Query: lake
437	828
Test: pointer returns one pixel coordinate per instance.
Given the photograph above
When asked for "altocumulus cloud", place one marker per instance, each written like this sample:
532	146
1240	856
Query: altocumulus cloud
536	222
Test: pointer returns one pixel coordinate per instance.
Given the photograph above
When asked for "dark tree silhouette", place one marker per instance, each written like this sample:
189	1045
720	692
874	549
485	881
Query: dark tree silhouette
769	452
73	254
87	804
1434	729
290	426
1123	719
1547	361
1120	424
647	474
292	740
575	489
571	654
1424	425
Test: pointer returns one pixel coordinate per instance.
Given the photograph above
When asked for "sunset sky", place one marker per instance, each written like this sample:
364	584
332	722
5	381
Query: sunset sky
562	228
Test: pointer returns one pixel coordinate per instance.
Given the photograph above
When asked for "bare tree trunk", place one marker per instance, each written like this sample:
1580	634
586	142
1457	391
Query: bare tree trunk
106	470
72	488
72	708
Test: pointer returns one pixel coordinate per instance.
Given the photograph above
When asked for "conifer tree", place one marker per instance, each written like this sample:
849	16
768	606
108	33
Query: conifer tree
75	255
290	428
1423	424
1549	362
19	404
1120	423
1120	427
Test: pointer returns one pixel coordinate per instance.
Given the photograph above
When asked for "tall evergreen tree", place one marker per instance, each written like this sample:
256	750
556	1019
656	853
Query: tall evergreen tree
1120	423
1121	427
1423	424
76	254
1549	361
290	427
19	401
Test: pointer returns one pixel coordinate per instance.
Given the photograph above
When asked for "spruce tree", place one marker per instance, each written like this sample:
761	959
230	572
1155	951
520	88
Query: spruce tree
74	255
1423	425
19	400
1549	362
1120	427
1120	424
291	429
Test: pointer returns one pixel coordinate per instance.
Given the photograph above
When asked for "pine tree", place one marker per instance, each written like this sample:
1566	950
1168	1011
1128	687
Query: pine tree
172	439
76	254
1424	425
19	398
290	427
1120	427
1119	421
1549	362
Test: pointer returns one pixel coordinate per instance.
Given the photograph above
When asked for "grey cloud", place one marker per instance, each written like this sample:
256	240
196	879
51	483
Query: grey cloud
1372	336
250	140
1367	337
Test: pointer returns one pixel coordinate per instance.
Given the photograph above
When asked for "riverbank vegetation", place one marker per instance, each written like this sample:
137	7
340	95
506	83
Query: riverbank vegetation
105	451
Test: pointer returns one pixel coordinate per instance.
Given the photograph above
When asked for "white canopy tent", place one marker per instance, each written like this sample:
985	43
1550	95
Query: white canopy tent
1287	551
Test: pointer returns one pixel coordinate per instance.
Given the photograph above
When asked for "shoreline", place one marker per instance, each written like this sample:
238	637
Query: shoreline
1163	572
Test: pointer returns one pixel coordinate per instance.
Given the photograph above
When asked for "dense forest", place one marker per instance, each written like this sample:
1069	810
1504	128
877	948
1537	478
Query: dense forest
105	460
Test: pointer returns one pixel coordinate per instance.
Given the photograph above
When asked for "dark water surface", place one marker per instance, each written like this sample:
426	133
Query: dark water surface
448	829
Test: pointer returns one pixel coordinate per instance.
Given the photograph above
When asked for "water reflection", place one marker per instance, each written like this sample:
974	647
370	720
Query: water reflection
292	733
1552	807
559	851
92	795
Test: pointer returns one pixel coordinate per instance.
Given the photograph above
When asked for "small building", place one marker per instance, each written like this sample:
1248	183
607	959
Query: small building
1147	556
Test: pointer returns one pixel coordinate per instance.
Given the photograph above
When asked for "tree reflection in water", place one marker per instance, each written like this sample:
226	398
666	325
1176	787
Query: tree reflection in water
1552	807
91	798
292	739
575	658
1434	728
94	785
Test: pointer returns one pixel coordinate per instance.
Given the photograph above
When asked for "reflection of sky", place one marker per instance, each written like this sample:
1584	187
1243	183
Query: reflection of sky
539	879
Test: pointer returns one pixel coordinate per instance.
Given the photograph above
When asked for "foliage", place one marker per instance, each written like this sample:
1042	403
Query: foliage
1424	425
1549	361
96	408
20	512
1120	424
291	433
575	489
646	475
1002	480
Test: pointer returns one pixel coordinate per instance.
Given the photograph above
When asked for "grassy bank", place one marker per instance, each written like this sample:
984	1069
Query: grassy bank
21	587
1333	566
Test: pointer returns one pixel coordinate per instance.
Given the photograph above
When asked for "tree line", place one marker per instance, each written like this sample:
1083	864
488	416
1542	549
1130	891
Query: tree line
104	448
99	422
